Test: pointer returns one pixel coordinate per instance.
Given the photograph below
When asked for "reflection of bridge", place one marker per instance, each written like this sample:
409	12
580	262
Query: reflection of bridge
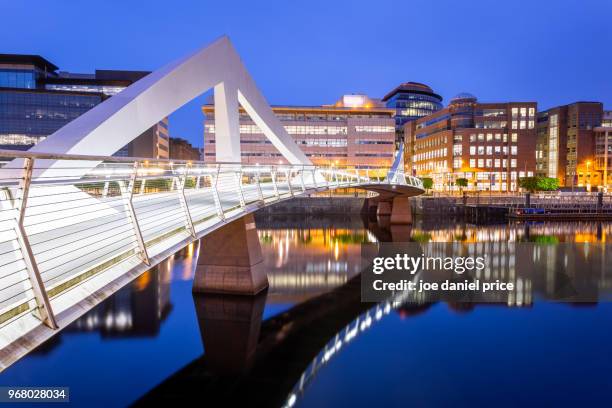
74	228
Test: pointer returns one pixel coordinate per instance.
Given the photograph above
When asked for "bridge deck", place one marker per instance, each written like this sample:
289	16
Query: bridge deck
82	239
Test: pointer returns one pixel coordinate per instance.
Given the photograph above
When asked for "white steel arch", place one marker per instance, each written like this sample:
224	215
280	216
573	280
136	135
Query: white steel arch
112	124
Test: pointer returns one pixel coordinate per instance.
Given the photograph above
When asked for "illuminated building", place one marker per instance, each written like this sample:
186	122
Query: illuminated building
491	145
355	131
411	101
36	100
572	144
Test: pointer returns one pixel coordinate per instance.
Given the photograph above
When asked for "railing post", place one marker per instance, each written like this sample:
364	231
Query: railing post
258	183
314	178
288	175
183	200
142	186
216	199
105	189
273	175
43	311
238	180
128	194
302	179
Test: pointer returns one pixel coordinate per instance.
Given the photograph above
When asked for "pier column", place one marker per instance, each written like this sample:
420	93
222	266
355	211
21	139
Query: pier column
401	212
383	208
229	326
230	260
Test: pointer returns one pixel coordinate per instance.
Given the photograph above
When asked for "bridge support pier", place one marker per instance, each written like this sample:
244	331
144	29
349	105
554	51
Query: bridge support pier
383	208
230	326
401	213
230	260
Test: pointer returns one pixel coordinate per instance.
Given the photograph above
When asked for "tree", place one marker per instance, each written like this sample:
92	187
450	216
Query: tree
461	183
427	182
548	184
532	184
529	183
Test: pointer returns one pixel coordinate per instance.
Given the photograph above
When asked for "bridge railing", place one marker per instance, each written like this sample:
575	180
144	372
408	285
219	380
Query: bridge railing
71	224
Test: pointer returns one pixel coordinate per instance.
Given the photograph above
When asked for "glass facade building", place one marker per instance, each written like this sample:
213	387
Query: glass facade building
412	100
36	100
27	117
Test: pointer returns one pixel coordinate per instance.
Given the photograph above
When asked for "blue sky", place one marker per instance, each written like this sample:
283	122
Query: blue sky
311	52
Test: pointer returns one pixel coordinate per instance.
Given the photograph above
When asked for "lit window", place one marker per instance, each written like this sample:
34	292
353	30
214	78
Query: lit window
480	162
531	124
513	163
472	150
523	124
514	112
513	150
472	162
514	124
523	112
514	137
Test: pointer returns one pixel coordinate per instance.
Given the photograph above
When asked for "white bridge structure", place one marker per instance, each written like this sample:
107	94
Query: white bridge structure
76	224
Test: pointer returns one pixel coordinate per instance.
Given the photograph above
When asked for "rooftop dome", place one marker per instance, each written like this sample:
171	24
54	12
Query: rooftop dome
415	87
463	96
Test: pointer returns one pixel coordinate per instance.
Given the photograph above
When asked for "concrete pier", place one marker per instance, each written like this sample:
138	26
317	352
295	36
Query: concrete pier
230	260
401	213
383	208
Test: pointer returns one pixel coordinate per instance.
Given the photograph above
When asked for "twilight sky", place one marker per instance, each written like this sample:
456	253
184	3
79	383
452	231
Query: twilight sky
311	52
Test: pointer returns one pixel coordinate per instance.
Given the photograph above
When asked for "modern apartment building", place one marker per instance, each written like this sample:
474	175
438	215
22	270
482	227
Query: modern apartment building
355	131
36	100
573	144
411	101
490	144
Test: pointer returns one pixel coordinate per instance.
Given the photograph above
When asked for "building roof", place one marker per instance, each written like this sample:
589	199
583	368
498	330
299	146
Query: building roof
318	109
413	87
35	60
463	96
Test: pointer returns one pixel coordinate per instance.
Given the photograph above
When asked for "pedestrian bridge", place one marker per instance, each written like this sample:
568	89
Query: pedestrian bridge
77	224
67	243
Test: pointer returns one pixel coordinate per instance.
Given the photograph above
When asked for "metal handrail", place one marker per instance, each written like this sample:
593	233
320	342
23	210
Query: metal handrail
59	227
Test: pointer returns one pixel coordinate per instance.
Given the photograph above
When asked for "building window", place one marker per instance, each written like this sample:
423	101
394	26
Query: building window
472	163
513	163
514	124
513	150
514	138
472	150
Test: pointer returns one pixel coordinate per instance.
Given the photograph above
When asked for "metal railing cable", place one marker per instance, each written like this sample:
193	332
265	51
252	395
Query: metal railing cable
62	225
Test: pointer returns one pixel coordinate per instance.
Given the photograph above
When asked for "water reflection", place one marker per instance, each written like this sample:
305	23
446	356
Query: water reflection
255	350
304	261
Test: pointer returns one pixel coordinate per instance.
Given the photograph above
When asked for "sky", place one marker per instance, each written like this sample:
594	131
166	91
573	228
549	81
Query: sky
311	52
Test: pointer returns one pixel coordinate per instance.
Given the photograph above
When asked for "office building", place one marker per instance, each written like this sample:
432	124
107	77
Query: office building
411	101
36	100
491	145
355	131
181	149
571	144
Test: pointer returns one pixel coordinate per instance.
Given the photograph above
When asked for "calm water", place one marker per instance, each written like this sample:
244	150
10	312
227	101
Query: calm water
155	341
